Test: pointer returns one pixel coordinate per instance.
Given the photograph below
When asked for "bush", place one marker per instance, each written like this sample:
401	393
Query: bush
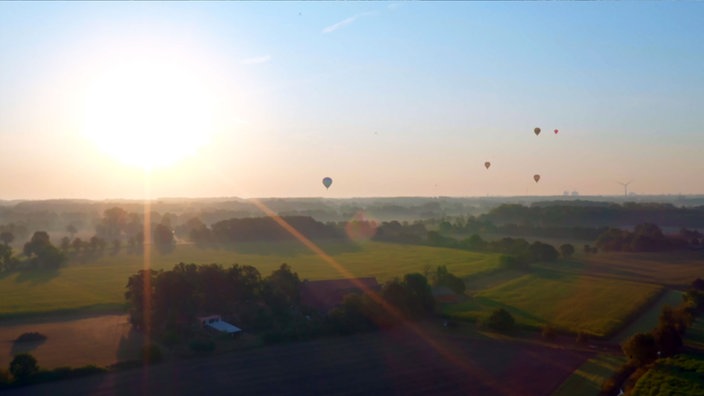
170	338
513	262
611	386
23	367
151	354
500	320
30	337
203	346
582	338
90	369
5	378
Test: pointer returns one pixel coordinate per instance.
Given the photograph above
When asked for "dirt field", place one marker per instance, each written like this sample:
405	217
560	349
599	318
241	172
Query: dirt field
393	362
76	341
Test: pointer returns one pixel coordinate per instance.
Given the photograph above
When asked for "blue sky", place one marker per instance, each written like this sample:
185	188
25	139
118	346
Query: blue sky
386	98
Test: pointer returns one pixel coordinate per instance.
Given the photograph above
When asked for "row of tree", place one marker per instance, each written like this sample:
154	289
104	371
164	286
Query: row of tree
517	251
595	214
645	237
254	229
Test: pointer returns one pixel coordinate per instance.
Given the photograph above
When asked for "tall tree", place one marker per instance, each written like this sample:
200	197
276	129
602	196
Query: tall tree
640	349
41	253
567	250
23	367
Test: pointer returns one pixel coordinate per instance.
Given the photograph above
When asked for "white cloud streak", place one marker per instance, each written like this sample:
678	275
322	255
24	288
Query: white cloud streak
256	60
344	22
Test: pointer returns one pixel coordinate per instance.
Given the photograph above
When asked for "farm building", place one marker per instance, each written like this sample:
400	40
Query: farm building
216	322
325	295
443	294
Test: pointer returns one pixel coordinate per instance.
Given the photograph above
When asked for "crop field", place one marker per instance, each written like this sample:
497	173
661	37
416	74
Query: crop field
570	302
587	379
100	283
673	269
410	360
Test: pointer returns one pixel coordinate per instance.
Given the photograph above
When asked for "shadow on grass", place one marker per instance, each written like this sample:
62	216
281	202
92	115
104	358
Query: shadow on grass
24	347
36	276
293	248
479	307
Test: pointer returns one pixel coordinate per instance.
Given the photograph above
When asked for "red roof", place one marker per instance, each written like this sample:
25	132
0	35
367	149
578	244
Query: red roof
328	294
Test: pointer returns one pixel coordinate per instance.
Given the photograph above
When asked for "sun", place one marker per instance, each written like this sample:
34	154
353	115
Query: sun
148	112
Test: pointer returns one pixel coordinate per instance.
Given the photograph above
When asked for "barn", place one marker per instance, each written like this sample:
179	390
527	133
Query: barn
325	295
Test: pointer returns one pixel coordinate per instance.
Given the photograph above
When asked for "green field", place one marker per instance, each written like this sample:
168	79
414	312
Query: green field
570	302
679	375
100	284
587	379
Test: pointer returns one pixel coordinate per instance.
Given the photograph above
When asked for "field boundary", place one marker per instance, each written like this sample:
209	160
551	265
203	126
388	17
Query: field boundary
55	315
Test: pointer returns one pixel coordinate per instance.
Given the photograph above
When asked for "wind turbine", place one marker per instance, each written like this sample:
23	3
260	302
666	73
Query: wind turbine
625	187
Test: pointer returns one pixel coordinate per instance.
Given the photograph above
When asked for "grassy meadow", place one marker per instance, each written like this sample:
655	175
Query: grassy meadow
99	284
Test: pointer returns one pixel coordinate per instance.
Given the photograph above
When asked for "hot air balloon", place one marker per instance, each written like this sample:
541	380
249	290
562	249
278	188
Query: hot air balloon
556	131
536	131
327	182
487	164
536	178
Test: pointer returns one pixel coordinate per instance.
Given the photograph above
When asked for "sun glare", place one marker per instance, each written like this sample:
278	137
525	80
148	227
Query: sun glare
148	112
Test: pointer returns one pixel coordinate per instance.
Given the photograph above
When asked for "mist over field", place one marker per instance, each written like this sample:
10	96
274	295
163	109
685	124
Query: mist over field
321	198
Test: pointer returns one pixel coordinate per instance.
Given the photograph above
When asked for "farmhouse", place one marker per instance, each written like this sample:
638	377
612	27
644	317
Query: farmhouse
215	322
443	294
325	295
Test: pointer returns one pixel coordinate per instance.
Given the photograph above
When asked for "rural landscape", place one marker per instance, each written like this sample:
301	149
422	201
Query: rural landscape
351	198
460	304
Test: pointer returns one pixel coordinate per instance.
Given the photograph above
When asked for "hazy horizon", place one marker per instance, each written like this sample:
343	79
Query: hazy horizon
128	100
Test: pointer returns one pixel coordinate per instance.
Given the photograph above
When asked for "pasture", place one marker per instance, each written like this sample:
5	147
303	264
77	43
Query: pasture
571	302
99	285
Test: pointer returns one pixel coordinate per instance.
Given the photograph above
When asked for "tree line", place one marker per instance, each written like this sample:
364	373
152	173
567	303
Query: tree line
646	237
169	302
595	214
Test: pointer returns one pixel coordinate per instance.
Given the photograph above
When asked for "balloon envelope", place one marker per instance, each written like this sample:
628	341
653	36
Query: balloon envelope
327	182
536	131
487	164
536	178
556	131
